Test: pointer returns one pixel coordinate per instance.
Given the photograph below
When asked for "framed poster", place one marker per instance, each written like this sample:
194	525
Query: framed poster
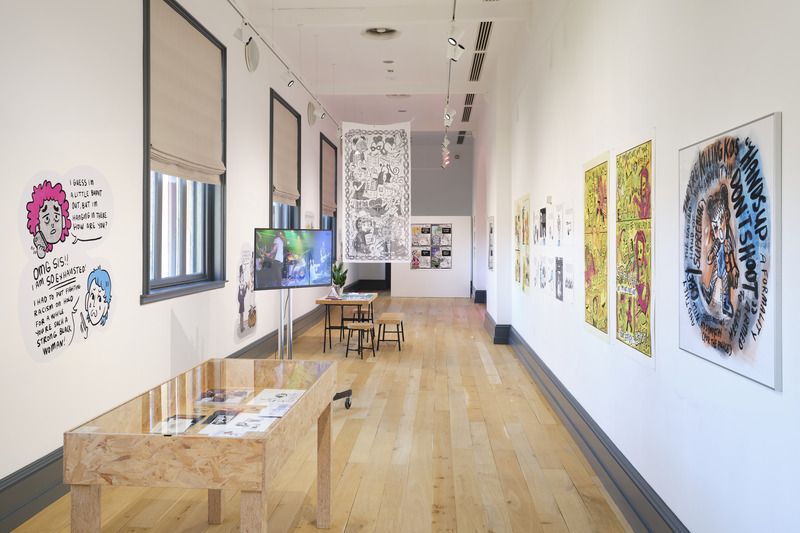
730	255
595	213
634	247
491	243
522	243
431	246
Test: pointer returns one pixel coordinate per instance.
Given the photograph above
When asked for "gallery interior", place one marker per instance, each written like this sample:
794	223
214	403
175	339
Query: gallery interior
526	135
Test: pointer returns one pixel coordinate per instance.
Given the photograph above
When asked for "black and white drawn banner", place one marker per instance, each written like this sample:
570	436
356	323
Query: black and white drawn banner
377	192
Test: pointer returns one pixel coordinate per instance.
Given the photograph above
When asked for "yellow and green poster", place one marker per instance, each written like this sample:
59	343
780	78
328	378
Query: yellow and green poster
596	243
634	223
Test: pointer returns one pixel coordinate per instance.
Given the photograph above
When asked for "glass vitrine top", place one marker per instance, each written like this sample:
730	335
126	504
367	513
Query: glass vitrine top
220	398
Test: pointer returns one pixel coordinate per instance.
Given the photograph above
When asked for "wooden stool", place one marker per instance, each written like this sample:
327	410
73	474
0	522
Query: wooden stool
363	328
391	318
361	315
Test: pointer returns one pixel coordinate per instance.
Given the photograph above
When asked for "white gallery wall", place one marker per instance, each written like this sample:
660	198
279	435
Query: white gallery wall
433	282
72	96
592	77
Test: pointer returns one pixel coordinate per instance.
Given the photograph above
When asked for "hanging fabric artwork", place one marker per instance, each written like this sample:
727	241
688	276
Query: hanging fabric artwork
377	192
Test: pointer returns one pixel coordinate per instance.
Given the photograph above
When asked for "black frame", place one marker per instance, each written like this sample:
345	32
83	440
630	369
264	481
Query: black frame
322	140
273	96
216	207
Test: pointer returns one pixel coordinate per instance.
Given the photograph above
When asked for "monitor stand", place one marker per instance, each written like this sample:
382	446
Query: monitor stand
285	318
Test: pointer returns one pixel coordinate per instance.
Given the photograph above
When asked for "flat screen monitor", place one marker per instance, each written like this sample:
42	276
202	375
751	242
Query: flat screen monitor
287	258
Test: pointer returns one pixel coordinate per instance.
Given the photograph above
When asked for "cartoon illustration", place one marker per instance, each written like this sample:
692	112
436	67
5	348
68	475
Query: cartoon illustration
642	275
722	255
48	217
643	200
97	301
242	293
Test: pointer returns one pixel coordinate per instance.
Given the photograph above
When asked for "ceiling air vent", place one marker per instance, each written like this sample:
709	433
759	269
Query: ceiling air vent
477	66
460	138
470	98
484	30
465	115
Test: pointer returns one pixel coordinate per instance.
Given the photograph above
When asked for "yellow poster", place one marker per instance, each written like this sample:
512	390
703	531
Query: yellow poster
634	223
596	245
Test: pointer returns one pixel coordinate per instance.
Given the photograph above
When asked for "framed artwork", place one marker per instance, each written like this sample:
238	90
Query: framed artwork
431	246
730	185
491	243
634	247
522	243
595	244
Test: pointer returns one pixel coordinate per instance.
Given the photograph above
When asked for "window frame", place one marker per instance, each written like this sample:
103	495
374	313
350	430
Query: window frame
215	196
295	213
322	141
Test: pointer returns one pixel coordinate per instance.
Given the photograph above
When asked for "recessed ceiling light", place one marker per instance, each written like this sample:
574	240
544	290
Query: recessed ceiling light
398	96
381	34
388	61
390	70
402	110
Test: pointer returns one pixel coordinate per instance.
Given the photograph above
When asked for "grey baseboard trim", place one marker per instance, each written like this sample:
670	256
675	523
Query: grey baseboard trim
30	489
642	506
371	285
480	296
499	332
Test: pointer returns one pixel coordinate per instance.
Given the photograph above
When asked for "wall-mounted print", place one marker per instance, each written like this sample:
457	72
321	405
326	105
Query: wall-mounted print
522	242
543	225
595	216
431	246
491	243
377	192
634	256
66	294
559	237
730	250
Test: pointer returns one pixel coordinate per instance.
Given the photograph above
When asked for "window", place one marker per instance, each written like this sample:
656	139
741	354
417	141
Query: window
284	163
328	182
184	130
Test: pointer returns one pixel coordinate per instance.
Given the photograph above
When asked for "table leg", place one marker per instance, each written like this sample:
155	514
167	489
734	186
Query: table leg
253	511
85	512
325	329
324	468
214	506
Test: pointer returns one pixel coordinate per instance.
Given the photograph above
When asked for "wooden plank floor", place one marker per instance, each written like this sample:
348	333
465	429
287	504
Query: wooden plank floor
450	434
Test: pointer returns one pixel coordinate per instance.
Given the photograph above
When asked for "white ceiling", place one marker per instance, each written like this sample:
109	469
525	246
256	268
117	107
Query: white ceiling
321	42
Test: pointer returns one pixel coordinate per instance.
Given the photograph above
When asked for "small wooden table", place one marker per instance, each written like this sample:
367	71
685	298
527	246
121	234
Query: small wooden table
358	299
119	448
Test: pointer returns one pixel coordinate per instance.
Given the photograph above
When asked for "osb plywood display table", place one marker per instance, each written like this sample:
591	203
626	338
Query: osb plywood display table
225	424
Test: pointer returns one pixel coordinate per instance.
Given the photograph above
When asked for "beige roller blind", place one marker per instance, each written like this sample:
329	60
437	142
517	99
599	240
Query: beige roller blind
328	165
185	98
285	152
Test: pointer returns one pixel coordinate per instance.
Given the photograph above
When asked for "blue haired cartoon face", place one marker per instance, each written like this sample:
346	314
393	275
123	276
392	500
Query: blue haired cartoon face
98	297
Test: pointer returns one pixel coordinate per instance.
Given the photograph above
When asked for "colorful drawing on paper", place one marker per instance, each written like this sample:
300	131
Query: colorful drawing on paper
377	192
730	257
522	242
634	186
596	246
65	291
